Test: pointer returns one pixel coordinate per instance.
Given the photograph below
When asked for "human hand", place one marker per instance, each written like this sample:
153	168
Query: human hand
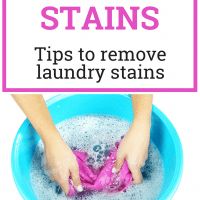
62	164
134	149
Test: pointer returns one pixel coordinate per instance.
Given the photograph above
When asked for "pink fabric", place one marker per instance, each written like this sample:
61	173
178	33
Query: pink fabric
102	179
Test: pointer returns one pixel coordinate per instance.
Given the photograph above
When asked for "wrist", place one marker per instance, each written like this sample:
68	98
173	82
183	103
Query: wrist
51	138
143	120
141	127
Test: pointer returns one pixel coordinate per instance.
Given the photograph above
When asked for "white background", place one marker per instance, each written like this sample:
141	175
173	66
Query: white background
174	35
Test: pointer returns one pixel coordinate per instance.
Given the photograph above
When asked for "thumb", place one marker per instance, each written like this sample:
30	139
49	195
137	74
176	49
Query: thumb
118	164
76	179
136	174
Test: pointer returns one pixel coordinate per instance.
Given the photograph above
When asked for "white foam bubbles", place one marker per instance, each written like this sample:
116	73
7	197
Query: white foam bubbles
96	135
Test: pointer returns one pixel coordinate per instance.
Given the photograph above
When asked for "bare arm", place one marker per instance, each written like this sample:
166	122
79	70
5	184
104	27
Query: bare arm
34	107
134	146
61	161
142	107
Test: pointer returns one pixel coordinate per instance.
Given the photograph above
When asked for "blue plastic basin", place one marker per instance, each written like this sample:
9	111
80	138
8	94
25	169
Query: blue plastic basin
63	107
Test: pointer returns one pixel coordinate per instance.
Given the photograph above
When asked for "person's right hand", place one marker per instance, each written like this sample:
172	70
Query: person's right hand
61	163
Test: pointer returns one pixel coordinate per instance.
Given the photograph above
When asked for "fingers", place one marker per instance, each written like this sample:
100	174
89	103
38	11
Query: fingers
76	178
146	157
118	164
63	180
136	174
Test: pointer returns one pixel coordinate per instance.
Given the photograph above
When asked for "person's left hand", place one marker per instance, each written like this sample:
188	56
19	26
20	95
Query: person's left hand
134	149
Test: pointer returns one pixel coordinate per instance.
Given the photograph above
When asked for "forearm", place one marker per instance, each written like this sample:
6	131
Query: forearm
142	107
134	146
35	109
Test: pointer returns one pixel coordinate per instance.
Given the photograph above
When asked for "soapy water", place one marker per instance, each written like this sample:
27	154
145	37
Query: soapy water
96	135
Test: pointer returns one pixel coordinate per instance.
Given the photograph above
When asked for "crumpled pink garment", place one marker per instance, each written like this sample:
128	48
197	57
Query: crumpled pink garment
102	179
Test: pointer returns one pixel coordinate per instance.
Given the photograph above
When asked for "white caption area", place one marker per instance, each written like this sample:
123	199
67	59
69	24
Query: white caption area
174	35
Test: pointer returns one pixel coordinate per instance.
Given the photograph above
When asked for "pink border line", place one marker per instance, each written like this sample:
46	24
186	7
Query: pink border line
195	64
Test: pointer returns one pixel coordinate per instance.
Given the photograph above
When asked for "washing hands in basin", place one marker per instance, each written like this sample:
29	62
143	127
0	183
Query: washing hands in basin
64	164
